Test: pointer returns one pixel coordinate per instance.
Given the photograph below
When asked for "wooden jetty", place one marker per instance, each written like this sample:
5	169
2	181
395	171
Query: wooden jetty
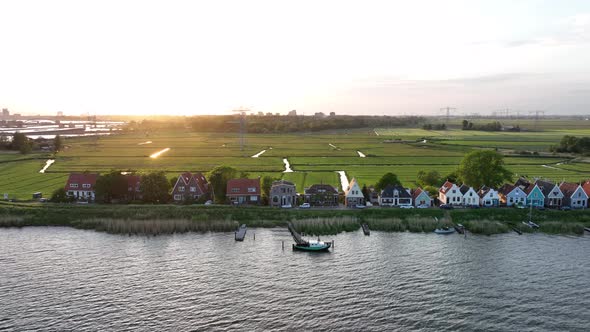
459	228
240	234
366	229
587	229
517	230
296	236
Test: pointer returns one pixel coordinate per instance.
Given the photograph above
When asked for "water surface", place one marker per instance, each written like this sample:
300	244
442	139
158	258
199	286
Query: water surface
67	279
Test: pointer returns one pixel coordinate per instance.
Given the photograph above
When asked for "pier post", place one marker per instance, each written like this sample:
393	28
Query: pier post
332	244
283	244
254	236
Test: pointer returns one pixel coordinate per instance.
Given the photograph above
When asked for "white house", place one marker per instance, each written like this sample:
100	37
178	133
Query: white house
353	194
395	196
574	195
470	196
488	197
450	194
512	195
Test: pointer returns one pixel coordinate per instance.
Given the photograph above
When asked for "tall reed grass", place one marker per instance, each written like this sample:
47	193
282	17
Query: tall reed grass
155	226
326	226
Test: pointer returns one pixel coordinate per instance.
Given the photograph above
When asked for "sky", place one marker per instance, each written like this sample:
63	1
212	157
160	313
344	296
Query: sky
349	57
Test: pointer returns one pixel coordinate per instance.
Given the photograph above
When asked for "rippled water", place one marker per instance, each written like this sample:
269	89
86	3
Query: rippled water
67	279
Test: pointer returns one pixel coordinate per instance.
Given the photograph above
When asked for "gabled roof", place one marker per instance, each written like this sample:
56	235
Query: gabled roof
80	179
417	192
241	187
506	189
545	186
465	188
483	191
390	189
446	187
198	179
531	187
522	183
569	189
586	187
320	188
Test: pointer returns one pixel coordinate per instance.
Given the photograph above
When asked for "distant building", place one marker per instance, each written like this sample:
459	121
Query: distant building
268	114
190	186
260	113
282	193
60	113
243	191
292	113
321	195
319	114
332	113
81	186
5	112
353	195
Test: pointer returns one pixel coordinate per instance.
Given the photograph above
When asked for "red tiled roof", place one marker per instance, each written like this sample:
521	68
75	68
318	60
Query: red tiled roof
240	187
586	187
197	178
81	179
446	187
568	189
506	189
416	192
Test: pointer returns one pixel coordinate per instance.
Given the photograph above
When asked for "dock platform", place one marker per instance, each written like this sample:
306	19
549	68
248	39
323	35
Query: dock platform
240	234
366	229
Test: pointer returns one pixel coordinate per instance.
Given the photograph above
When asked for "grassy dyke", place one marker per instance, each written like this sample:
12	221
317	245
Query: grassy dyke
165	219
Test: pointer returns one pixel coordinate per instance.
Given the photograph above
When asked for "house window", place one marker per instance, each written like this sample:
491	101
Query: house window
253	198
73	185
177	197
86	185
181	189
251	189
275	199
193	189
454	191
235	190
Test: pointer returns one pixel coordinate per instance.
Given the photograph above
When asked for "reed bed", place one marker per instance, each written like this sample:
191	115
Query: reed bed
12	221
410	224
155	226
555	227
327	226
488	227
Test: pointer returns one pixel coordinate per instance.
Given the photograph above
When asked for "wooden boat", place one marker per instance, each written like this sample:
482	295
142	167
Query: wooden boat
366	229
313	245
530	222
444	230
240	233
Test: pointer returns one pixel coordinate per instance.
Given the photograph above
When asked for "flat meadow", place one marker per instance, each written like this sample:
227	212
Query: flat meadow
314	157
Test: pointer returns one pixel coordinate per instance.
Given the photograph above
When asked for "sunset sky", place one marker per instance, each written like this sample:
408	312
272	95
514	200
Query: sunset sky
351	57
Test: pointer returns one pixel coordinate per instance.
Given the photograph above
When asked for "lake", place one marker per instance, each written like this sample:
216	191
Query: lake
54	278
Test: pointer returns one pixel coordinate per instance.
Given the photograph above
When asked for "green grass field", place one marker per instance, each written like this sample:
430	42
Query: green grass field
315	157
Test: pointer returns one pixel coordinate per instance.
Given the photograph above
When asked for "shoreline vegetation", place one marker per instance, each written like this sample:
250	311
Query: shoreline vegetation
169	219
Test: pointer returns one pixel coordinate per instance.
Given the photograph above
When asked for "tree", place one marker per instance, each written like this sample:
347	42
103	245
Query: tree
265	185
57	143
18	141
485	167
387	179
431	178
26	147
154	187
218	178
60	196
111	186
366	193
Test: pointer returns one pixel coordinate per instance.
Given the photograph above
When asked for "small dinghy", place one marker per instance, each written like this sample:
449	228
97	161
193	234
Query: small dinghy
444	230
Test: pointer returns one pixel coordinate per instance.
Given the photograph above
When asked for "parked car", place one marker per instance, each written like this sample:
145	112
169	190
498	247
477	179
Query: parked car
305	206
406	206
423	206
565	208
446	207
286	206
360	206
209	202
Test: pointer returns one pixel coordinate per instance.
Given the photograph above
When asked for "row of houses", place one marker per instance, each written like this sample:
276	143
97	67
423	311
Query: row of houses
522	193
192	186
